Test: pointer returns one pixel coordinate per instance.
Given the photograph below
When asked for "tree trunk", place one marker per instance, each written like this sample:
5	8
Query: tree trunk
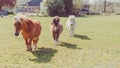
105	2
0	6
68	6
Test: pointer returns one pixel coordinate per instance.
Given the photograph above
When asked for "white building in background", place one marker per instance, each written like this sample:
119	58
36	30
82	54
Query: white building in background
28	6
20	5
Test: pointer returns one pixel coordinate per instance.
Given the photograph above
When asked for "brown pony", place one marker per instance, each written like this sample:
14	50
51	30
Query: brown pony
56	29
29	28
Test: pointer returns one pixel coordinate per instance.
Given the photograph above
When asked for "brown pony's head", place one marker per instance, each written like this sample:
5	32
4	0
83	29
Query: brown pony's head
22	22
17	25
56	20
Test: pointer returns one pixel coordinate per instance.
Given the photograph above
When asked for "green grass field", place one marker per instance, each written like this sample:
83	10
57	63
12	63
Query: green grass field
96	45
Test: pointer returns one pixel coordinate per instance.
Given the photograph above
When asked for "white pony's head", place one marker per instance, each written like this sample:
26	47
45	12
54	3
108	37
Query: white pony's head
72	18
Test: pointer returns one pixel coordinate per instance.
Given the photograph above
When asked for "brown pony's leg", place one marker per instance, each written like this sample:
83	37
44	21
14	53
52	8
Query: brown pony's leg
30	42
26	41
35	43
54	36
57	36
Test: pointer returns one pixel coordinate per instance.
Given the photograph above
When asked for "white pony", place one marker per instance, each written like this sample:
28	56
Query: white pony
71	24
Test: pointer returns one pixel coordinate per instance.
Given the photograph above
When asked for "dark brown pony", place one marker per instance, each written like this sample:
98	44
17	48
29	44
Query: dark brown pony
30	30
56	29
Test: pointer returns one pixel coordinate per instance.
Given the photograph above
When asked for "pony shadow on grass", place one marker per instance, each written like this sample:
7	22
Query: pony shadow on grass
69	45
83	37
43	55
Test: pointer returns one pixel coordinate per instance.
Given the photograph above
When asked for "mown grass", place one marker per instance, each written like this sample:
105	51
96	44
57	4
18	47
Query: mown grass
96	45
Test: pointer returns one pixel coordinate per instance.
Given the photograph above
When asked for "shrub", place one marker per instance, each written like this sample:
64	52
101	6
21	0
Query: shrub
56	7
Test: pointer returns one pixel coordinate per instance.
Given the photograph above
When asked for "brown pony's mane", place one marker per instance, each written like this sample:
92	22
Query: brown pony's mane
27	24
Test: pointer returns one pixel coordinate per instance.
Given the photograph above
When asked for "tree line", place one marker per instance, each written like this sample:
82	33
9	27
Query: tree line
63	7
106	6
54	7
68	7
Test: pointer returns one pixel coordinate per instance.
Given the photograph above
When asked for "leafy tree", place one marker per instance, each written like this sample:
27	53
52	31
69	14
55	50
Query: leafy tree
68	6
60	7
8	3
77	6
44	7
56	7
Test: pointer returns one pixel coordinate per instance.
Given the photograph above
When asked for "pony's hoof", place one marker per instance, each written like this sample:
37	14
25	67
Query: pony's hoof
71	35
35	47
55	42
29	49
